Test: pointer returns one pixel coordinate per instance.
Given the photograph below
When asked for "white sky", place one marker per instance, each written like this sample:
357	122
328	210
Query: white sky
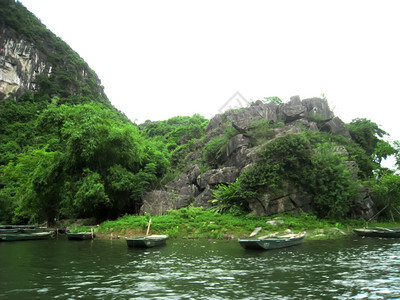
159	59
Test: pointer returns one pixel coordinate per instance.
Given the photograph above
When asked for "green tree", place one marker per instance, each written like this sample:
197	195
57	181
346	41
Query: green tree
91	198
331	183
386	194
368	135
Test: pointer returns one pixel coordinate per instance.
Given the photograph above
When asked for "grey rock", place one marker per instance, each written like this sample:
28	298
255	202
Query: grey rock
192	173
336	126
318	108
364	206
217	176
236	145
204	199
293	110
159	202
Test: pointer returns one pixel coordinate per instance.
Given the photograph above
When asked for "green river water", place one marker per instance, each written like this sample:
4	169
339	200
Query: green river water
348	268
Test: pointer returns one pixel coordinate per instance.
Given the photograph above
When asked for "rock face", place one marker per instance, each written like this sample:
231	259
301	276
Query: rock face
22	60
20	63
193	187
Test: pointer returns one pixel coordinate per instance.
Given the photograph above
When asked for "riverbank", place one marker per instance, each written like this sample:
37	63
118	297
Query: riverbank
195	223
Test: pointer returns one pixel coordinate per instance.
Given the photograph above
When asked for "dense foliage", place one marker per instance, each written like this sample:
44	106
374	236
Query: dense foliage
66	152
317	164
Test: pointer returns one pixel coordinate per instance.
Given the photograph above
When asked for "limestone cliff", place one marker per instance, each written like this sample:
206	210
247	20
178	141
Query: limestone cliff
194	187
33	58
20	63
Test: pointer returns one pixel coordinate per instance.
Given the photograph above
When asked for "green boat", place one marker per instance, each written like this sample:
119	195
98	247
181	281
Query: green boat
10	237
79	236
20	229
378	232
272	241
147	241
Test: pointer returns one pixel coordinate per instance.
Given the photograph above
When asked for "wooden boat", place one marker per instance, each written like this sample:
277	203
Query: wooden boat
78	236
378	232
272	241
8	237
147	241
21	229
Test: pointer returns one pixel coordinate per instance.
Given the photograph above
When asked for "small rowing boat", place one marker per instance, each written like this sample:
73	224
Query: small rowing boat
147	241
10	237
272	241
378	232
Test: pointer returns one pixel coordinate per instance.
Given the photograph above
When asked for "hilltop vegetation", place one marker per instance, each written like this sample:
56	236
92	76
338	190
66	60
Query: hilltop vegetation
66	152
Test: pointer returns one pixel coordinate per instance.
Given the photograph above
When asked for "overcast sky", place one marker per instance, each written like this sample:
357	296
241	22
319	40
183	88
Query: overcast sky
159	59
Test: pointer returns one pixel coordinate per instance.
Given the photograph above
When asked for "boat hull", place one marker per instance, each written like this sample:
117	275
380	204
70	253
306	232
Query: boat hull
10	237
271	243
378	232
146	241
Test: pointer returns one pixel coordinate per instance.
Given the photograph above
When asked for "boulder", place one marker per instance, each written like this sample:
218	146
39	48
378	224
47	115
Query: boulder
217	176
192	173
204	199
288	200
156	203
215	123
336	126
242	118
234	154
159	202
364	207
318	108
177	184
293	110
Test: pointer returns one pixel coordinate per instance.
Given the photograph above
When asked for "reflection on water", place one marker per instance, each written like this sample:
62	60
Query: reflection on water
351	268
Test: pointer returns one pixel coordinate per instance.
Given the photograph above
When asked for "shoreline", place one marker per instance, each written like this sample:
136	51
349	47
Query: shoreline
194	223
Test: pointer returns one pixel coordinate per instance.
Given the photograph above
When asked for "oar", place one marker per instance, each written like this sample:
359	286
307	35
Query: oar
148	228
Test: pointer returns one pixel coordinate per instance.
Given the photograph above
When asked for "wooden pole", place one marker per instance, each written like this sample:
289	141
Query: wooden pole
378	213
148	228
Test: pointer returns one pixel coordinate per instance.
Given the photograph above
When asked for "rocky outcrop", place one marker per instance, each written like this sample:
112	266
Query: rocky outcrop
195	188
288	200
364	207
336	126
20	63
293	110
24	60
217	176
318	108
242	118
159	202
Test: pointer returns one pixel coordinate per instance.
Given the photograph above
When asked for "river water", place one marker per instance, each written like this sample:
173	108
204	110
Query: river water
348	268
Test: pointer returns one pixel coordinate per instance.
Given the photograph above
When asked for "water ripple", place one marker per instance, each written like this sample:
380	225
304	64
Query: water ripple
344	269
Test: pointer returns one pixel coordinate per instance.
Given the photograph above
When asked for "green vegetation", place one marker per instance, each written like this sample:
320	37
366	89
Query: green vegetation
196	223
81	229
67	153
306	160
386	193
273	99
213	149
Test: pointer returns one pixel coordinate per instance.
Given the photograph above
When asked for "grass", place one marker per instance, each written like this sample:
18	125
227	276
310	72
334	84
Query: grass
196	223
80	229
